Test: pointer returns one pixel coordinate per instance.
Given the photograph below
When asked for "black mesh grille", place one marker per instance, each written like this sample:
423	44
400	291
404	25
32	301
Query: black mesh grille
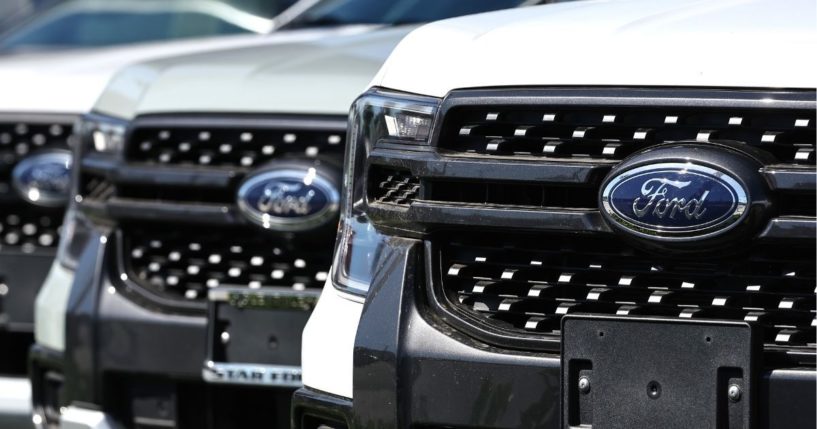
23	225
228	147
519	194
527	283
616	132
94	187
183	263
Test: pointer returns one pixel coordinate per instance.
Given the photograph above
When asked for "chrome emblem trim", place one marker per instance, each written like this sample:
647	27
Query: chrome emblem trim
44	179
268	298
289	199
674	201
251	374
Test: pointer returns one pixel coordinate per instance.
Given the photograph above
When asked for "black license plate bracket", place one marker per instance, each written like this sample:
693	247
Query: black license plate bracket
254	335
625	372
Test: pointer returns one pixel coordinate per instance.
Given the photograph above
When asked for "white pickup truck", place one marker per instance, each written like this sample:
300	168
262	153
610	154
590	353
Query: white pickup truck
201	227
590	214
43	95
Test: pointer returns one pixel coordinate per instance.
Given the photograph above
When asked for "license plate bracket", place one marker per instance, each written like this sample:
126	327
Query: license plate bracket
254	336
638	373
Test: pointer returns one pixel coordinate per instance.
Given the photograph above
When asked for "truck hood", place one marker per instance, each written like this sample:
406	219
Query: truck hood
704	43
71	81
321	76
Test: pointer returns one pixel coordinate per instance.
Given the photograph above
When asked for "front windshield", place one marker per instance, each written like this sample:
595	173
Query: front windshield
12	12
393	12
95	23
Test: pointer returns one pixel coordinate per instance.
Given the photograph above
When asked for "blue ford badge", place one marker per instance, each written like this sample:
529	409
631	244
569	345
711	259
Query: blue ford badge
44	179
288	199
675	201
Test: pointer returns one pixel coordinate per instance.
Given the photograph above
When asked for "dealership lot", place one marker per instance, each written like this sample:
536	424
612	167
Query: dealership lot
336	214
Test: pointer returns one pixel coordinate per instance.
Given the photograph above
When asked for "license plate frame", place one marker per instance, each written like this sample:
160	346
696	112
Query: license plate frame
254	335
629	372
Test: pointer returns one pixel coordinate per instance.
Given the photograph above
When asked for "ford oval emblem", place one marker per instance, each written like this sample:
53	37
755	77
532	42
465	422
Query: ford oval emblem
289	199
44	179
674	201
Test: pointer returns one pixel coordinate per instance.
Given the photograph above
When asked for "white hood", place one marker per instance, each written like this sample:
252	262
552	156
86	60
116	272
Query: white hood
71	81
321	76
703	43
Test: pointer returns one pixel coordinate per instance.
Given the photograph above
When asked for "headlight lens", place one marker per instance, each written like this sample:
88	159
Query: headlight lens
103	134
375	116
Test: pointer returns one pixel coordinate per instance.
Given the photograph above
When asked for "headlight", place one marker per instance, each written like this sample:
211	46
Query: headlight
377	116
102	134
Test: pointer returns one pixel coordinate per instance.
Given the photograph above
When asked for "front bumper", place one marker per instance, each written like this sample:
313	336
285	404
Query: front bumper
15	403
103	358
414	370
81	418
328	342
132	367
21	275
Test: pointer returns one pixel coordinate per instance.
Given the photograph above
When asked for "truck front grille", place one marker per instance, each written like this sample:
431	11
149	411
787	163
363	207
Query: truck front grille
173	202
508	205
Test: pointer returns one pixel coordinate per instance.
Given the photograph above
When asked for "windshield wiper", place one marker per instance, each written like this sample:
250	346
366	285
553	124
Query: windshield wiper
325	21
406	22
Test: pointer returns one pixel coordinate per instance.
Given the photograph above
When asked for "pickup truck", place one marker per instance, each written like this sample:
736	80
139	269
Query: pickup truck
43	95
591	214
203	211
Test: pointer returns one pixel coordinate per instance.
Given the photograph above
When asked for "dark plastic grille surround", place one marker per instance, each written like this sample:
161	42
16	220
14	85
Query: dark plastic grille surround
526	283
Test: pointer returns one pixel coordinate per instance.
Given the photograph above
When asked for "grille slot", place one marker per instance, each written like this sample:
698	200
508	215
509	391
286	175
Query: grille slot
527	284
94	187
516	194
393	186
169	193
562	131
183	263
